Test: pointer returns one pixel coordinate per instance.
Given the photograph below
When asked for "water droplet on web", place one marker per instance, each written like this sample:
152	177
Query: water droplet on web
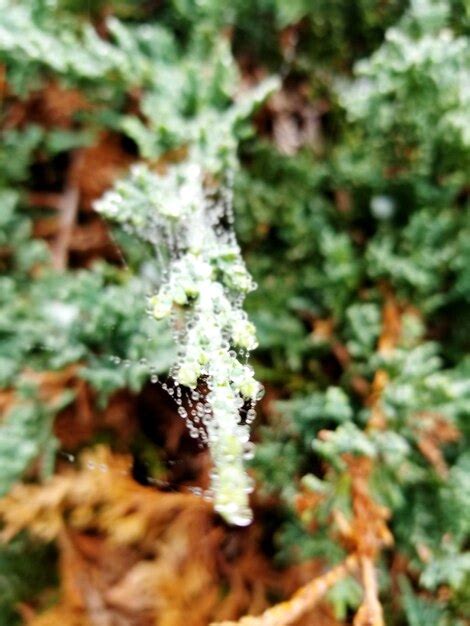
208	495
68	456
191	235
250	416
248	451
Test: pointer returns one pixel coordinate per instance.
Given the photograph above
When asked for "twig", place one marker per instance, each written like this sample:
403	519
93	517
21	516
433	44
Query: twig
302	601
370	612
68	205
391	327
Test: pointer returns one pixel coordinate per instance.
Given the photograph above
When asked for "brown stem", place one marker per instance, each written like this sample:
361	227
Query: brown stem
68	205
389	337
370	612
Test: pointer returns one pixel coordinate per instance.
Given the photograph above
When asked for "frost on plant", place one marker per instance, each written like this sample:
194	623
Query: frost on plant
186	215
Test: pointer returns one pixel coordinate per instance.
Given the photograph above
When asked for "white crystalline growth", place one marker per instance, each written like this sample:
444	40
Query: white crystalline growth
188	220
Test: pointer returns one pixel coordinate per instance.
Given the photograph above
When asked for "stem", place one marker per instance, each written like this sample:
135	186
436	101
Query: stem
370	612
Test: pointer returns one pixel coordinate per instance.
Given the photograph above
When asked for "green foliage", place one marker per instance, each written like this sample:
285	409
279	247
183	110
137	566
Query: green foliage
26	434
420	611
22	574
378	204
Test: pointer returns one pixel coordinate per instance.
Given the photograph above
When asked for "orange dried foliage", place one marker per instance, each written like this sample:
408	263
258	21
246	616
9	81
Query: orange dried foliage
103	494
49	385
98	166
58	616
324	332
367	533
92	172
134	556
323	329
56	106
433	431
76	229
304	599
389	337
53	106
78	422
